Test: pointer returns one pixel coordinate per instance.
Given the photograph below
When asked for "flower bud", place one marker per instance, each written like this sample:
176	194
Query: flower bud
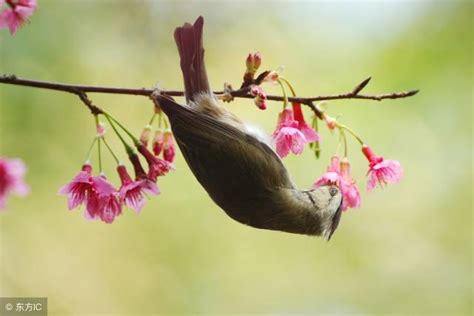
100	128
272	77
87	167
330	122
253	62
157	144
260	102
169	147
145	136
256	90
260	96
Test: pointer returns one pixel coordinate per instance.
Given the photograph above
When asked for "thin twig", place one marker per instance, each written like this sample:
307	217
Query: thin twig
95	110
81	91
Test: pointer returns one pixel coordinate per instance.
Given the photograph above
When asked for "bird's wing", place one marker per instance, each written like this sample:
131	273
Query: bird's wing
225	160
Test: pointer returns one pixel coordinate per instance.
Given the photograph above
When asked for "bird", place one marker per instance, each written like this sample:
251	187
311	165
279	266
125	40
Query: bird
238	168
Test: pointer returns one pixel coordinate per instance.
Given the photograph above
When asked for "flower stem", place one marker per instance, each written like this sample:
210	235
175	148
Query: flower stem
341	126
111	151
289	86
110	117
89	152
343	135
128	149
160	119
285	97
99	153
152	119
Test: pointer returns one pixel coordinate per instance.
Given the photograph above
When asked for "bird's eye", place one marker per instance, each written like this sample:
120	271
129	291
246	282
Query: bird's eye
333	191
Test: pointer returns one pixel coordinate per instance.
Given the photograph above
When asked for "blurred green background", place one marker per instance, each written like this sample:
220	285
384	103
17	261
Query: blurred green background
406	251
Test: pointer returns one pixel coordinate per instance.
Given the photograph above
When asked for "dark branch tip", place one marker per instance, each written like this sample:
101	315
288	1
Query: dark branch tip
361	86
412	93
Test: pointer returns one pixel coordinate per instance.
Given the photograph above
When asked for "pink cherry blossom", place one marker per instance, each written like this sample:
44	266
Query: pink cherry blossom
289	139
157	167
332	174
132	192
169	147
12	172
381	171
78	190
309	133
103	200
16	14
287	136
100	197
338	173
111	207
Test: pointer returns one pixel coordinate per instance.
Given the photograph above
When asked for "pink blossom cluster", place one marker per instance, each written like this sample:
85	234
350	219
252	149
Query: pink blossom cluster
381	171
12	172
292	132
16	13
101	199
338	173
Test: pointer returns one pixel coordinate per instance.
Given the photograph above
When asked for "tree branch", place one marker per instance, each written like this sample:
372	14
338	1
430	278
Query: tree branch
81	91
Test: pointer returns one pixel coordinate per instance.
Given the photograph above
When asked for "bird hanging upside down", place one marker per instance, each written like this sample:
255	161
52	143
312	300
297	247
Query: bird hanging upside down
234	164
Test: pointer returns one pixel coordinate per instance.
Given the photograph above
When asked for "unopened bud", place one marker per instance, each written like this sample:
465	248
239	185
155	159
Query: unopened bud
157	143
260	96
253	62
100	128
145	136
260	102
169	147
272	77
87	167
330	122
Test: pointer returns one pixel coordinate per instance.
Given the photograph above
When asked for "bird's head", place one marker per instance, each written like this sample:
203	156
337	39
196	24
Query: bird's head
327	201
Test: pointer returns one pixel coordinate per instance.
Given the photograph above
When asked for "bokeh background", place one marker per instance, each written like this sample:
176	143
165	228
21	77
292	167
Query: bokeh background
406	251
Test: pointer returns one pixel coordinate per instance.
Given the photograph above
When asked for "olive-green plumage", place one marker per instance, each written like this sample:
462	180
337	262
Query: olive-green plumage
240	172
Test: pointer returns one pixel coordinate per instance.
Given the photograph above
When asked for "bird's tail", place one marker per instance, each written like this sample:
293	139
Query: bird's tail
191	52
